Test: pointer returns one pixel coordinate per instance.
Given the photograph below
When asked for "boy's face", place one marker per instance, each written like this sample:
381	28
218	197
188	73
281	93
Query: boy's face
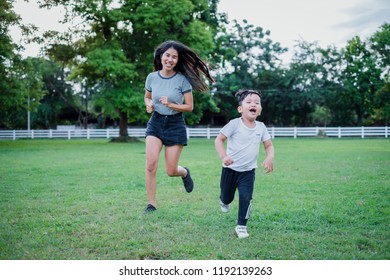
250	107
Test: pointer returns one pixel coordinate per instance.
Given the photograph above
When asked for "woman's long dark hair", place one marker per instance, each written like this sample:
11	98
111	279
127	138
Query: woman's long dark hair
189	64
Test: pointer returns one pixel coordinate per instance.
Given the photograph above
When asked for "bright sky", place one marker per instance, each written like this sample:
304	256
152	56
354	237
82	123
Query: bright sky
329	22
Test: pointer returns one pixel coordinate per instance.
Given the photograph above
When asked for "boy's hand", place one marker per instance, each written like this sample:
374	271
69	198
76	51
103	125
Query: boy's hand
227	160
268	165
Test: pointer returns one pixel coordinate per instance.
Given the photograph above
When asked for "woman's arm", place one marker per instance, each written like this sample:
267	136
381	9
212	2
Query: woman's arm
188	105
148	101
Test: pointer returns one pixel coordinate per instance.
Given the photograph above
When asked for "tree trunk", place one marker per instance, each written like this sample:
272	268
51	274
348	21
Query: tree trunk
123	124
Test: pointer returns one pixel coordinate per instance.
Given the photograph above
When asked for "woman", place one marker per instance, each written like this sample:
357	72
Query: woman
168	93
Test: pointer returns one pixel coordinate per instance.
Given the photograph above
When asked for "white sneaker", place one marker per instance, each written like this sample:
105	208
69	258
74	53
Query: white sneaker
241	232
224	207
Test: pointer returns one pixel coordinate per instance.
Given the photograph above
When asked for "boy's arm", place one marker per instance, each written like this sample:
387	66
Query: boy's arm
220	147
268	163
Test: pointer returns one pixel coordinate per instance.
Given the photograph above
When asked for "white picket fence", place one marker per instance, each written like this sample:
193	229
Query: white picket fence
206	132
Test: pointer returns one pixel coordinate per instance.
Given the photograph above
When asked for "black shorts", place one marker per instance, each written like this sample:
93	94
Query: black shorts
170	129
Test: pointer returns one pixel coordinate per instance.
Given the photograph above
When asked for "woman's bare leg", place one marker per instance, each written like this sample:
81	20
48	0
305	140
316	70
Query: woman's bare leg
172	156
153	149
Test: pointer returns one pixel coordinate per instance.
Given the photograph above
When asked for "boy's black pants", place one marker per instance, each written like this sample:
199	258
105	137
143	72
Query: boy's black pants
243	181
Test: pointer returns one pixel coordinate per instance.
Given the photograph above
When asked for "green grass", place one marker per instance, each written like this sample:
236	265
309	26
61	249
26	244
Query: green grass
83	199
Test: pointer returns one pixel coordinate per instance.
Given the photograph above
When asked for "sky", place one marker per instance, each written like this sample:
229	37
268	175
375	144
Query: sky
327	22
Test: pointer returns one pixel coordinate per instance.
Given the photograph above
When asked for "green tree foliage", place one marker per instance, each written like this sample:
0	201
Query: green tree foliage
20	85
312	81
61	89
361	79
9	82
247	55
380	43
97	70
59	103
341	87
115	51
148	24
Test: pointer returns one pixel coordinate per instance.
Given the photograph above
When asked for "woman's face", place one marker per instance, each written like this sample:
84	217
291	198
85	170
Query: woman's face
169	59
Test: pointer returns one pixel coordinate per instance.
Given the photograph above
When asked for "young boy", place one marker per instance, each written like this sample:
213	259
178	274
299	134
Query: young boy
239	161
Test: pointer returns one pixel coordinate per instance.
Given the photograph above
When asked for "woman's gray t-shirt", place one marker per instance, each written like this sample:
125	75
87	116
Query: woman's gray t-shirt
173	87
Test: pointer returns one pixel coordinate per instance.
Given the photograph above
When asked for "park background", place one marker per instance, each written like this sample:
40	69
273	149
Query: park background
83	199
92	74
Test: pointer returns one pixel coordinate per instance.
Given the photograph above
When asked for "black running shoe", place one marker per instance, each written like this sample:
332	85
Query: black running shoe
149	208
187	181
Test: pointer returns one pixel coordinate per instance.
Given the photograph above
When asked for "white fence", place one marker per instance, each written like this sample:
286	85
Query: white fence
206	132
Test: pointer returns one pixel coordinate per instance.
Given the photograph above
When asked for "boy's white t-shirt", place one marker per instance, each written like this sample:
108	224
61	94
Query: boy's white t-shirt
243	143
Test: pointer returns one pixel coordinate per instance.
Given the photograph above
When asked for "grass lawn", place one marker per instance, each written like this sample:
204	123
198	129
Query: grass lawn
83	199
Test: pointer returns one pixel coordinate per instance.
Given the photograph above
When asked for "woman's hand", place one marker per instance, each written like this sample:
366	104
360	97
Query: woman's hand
164	101
150	106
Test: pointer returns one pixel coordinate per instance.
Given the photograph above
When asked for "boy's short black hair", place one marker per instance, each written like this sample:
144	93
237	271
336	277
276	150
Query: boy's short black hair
243	93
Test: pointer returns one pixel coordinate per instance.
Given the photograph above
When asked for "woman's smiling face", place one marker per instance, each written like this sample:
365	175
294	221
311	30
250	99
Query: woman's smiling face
169	59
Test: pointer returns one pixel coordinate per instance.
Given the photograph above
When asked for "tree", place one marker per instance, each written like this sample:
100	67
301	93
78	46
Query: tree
321	116
380	44
246	54
190	22
19	83
361	79
59	105
114	53
315	85
9	82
